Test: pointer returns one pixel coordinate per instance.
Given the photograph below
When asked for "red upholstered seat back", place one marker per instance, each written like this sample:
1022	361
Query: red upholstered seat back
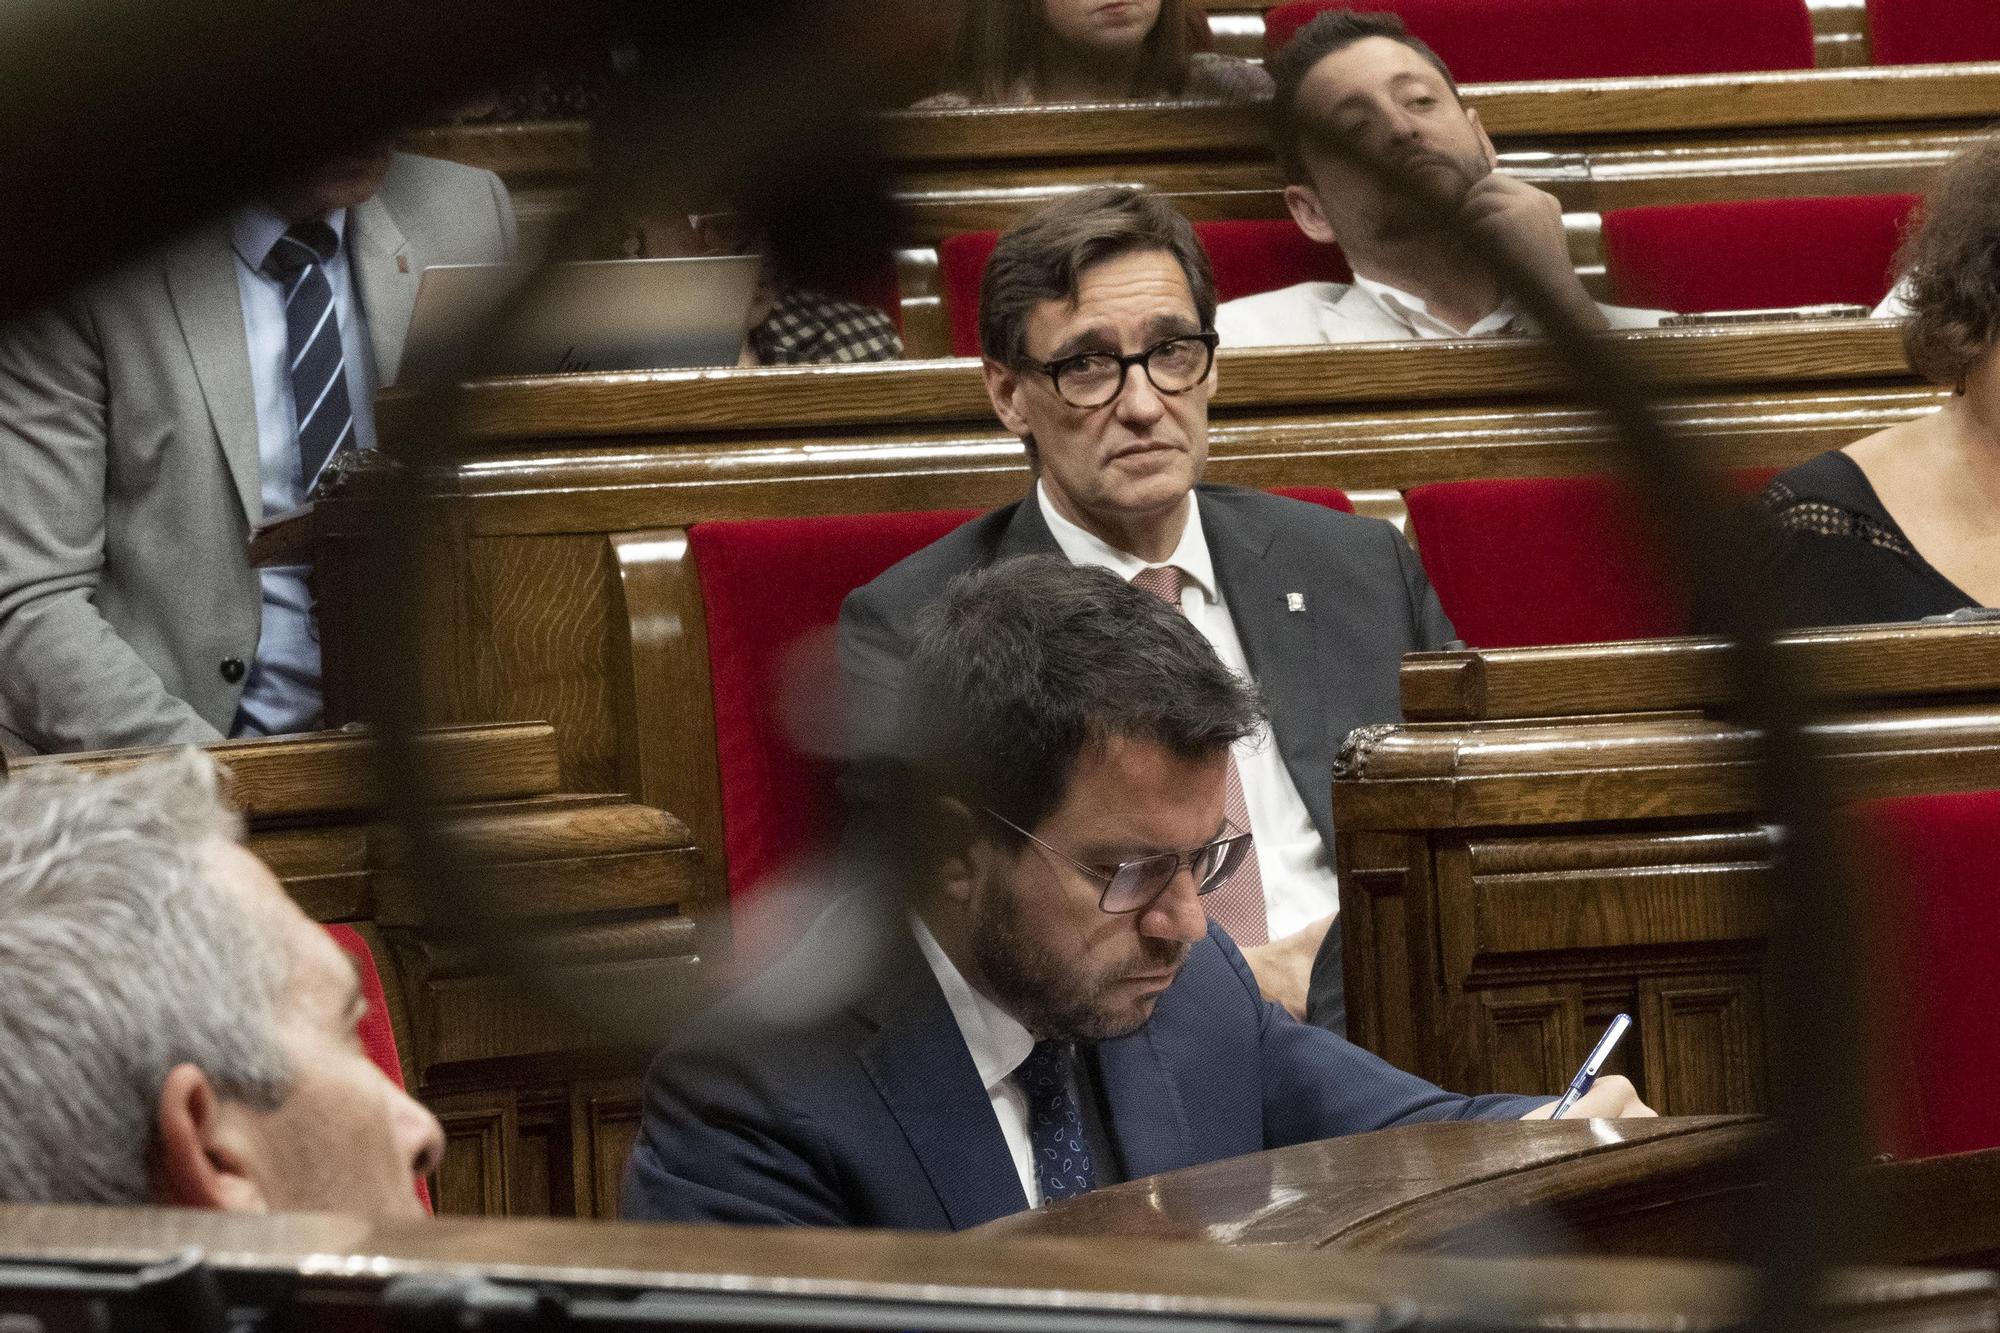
771	589
1541	560
1544	560
1248	256
1919	32
1492	41
1318	495
1934	914
378	1035
1755	253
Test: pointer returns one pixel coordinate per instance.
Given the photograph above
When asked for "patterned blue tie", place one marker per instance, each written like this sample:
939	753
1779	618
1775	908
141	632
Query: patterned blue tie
312	334
1055	1122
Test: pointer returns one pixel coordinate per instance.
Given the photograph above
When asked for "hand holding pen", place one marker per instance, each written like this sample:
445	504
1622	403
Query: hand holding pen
1595	1098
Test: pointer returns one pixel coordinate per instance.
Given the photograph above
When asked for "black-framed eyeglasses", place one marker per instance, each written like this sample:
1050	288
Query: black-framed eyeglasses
1093	379
1131	886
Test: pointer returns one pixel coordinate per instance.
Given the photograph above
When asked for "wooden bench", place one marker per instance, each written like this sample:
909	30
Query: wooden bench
1561	834
559	514
539	1099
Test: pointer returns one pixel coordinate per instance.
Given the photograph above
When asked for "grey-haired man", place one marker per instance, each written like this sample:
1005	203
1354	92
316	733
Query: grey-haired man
173	1029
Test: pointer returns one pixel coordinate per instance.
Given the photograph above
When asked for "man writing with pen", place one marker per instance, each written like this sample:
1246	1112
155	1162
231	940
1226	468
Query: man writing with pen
1023	999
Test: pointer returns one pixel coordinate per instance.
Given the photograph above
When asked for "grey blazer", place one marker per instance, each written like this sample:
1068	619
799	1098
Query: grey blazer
1324	670
130	473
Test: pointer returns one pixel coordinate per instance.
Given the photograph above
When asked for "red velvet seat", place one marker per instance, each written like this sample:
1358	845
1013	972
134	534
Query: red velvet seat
1493	41
1934	914
771	590
1755	253
1529	561
378	1035
1918	32
1248	256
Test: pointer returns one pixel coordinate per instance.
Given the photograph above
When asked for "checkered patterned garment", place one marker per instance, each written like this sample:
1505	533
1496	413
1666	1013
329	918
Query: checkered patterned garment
807	327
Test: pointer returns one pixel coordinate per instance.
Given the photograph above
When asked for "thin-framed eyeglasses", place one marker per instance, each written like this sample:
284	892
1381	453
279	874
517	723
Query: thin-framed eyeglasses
1092	379
1131	886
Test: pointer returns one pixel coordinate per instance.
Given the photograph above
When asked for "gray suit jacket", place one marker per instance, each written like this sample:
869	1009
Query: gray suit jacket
1324	670
130	470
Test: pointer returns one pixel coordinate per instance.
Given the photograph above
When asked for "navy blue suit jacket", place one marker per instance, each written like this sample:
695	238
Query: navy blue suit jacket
871	1114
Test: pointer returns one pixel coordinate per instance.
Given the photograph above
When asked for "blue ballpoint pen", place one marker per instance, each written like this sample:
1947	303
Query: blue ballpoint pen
1588	1074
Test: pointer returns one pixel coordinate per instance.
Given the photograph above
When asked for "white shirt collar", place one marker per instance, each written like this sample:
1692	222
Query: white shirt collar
1413	312
1084	547
255	228
997	1040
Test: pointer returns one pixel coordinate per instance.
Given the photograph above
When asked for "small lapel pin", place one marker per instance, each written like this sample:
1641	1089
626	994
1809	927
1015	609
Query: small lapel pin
402	263
1295	601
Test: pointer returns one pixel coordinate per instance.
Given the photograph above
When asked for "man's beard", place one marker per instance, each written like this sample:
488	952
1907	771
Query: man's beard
1426	190
1051	999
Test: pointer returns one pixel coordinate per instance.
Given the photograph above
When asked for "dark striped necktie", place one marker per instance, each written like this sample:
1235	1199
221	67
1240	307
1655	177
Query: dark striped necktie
312	335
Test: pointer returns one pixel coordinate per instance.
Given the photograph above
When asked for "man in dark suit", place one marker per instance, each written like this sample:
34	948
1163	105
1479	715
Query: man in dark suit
1095	319
1044	1008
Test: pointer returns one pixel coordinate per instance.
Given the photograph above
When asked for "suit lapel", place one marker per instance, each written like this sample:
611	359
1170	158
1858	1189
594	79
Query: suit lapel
1257	580
386	279
1148	1123
1027	533
926	1077
201	282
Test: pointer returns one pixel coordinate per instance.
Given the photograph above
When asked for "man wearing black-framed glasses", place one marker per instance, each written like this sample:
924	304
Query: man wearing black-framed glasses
1097	324
1045	1008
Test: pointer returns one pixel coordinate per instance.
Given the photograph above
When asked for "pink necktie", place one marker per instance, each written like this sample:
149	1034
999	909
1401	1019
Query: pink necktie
1237	905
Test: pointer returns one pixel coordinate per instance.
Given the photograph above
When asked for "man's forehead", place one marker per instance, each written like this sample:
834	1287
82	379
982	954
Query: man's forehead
1363	67
1138	288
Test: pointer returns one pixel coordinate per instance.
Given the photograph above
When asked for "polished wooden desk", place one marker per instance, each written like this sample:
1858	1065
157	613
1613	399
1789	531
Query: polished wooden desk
558	516
598	896
331	1271
1677	1187
1509	883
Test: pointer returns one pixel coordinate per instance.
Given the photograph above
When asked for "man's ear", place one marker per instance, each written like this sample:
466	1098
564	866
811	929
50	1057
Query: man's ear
203	1156
957	847
1486	148
1304	206
1004	385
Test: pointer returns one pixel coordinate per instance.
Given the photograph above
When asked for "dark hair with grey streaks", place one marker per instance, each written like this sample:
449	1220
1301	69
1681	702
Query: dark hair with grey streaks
1043	257
1335	30
1021	666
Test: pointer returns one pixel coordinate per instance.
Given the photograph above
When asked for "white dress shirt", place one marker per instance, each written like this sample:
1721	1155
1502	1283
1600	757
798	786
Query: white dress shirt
282	693
1299	883
998	1044
1370	311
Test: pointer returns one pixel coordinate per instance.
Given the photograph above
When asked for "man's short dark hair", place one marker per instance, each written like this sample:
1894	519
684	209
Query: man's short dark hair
1335	30
1022	665
1041	259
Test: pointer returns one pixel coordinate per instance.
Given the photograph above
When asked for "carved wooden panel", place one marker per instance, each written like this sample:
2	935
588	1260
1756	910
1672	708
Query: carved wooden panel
1703	1043
478	1133
1527	1038
605	1123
